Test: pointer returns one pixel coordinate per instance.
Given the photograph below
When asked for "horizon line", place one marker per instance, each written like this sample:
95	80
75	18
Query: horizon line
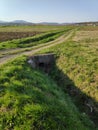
47	21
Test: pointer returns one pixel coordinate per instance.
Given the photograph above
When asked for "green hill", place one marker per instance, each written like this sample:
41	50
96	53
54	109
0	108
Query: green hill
31	100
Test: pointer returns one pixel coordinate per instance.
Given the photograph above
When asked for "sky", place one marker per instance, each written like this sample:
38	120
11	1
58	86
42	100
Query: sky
61	11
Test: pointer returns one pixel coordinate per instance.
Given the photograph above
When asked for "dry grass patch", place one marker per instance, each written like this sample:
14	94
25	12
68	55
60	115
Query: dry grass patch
84	35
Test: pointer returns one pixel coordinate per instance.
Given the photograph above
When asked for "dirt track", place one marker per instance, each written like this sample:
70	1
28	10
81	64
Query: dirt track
9	56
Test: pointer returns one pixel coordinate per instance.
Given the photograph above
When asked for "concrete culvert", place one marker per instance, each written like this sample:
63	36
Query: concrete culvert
43	61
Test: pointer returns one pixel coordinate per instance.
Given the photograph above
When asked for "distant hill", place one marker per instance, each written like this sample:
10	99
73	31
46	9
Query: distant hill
49	23
23	22
3	22
16	22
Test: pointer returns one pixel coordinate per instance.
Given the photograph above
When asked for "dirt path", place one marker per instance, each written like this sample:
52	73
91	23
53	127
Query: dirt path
9	56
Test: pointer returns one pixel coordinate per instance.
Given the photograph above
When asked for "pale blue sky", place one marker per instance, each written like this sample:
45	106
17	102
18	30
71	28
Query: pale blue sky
49	10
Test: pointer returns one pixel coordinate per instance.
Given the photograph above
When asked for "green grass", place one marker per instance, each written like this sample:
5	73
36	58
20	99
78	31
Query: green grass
31	100
76	72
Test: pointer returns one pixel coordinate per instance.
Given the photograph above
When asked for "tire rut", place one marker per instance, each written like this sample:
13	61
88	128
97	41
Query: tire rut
8	57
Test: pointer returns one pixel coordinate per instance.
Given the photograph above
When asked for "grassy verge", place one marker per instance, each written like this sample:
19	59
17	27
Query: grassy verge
29	99
77	74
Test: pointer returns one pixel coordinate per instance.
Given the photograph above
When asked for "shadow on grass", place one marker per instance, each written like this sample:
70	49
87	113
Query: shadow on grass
84	103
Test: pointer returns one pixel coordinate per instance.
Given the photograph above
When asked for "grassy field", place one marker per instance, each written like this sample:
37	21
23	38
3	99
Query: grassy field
30	41
77	70
27	101
8	33
66	99
21	41
34	28
85	36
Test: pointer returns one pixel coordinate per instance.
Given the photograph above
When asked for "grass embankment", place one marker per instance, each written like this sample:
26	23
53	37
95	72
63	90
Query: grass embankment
77	73
30	100
31	41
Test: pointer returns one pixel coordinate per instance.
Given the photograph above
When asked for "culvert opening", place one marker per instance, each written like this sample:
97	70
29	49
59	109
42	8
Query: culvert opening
43	62
41	65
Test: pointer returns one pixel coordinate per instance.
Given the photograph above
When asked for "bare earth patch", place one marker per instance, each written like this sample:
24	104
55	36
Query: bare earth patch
5	36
